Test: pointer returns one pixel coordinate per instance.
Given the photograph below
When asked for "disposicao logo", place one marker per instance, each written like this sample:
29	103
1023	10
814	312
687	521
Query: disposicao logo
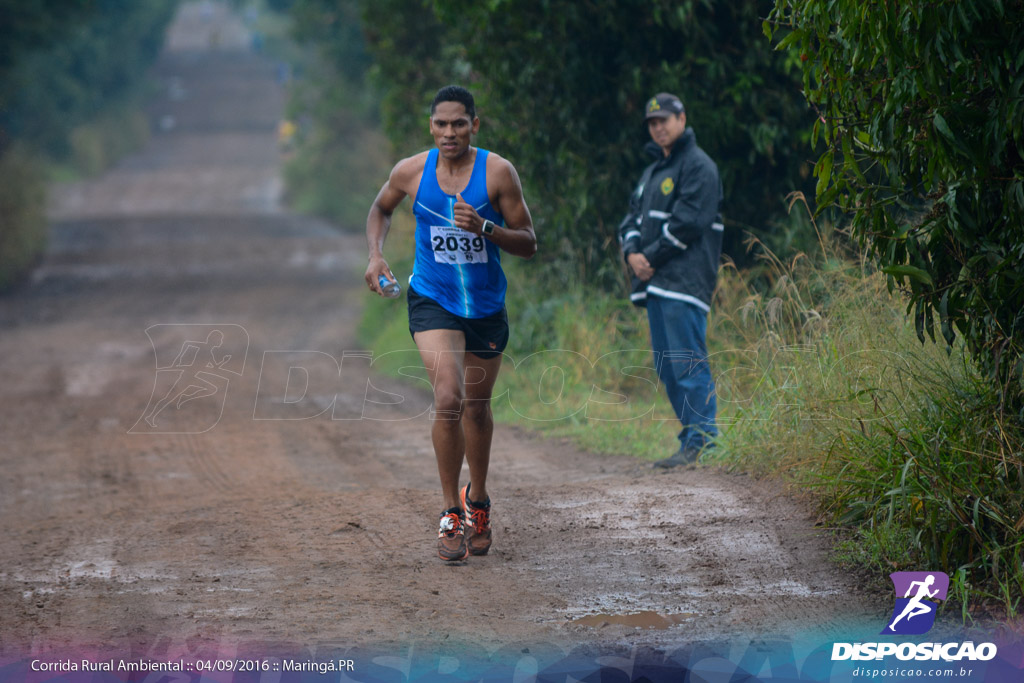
917	594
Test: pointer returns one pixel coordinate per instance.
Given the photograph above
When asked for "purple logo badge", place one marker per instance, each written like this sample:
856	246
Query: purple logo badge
917	596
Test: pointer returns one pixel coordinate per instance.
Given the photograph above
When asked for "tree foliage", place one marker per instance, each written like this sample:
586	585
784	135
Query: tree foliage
566	84
29	26
561	86
61	62
921	106
335	28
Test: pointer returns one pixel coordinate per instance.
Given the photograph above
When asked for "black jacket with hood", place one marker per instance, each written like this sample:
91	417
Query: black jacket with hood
674	219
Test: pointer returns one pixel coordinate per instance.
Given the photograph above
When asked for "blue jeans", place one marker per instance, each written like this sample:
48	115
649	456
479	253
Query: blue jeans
679	340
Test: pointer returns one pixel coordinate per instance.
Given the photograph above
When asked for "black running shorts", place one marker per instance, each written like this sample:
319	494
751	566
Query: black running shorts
485	337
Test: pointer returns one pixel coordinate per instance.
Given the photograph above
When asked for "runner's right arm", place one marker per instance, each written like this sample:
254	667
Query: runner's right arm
378	222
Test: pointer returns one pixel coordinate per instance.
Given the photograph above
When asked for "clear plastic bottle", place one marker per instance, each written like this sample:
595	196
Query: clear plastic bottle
388	288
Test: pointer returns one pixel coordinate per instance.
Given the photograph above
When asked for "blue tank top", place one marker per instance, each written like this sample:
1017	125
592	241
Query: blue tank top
457	269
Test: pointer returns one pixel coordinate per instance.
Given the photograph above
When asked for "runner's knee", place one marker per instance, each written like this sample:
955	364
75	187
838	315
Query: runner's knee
448	401
477	411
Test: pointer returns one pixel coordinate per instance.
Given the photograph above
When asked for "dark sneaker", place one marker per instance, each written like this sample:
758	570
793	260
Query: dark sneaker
451	536
478	521
684	456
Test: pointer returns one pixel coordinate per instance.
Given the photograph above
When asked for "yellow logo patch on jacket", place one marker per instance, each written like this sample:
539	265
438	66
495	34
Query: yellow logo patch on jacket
667	185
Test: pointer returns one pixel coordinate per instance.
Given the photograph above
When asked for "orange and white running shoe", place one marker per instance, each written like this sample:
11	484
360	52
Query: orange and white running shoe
451	536
478	520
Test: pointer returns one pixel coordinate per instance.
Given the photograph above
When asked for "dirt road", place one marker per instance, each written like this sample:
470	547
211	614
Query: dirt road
181	467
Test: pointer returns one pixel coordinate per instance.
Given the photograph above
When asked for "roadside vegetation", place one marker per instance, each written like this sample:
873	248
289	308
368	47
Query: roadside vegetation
823	325
72	84
821	381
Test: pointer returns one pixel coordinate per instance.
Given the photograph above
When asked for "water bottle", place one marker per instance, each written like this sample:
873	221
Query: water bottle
388	288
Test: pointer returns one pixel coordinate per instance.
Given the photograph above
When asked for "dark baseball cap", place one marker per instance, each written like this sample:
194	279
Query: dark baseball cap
663	105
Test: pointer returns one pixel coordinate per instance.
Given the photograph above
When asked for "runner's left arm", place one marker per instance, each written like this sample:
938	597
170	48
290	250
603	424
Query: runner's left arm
517	236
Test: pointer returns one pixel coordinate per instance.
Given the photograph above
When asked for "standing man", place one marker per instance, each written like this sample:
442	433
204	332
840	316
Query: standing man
672	240
469	207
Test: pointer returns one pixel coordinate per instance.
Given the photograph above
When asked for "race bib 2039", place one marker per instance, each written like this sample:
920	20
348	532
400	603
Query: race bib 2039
455	246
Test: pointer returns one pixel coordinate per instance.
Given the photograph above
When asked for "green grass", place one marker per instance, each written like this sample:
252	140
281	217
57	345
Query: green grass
582	368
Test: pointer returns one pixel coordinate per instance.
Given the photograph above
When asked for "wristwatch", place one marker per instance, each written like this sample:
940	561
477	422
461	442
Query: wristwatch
488	227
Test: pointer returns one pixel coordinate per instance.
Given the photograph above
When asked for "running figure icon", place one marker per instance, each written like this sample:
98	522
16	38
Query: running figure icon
916	607
918	595
195	360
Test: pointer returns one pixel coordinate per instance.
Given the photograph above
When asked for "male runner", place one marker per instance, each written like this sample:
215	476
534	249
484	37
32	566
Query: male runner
469	206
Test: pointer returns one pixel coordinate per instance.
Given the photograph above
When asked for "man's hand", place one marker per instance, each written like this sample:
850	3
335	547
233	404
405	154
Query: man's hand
641	266
466	216
374	269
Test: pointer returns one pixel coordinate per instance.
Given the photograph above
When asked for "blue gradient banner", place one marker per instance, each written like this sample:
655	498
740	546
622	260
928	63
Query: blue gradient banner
801	658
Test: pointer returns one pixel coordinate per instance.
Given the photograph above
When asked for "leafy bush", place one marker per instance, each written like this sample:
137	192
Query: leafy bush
84	55
826	383
22	214
341	158
921	105
67	69
947	472
96	145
